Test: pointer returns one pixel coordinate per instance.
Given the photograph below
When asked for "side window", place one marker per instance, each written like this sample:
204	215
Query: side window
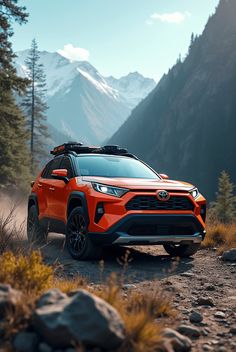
66	164
52	165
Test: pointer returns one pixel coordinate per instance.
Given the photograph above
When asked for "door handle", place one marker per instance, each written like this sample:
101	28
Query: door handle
39	185
52	188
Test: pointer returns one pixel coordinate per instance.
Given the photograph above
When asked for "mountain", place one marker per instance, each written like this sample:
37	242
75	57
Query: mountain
186	127
82	103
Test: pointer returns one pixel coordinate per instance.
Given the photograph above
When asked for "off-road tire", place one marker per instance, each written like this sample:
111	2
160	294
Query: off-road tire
78	243
181	250
35	232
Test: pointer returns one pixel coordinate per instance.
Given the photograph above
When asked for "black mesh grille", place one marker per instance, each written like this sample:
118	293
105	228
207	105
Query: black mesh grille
152	203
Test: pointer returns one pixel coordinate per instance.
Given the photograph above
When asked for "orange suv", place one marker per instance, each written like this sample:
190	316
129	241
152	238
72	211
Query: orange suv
101	196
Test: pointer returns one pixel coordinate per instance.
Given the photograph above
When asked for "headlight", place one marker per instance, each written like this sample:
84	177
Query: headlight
194	192
113	191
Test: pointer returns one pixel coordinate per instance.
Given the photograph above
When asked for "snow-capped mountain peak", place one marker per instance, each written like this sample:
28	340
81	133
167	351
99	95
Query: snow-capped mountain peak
82	101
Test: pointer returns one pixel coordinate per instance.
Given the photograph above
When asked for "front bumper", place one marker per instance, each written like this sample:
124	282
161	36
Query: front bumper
142	229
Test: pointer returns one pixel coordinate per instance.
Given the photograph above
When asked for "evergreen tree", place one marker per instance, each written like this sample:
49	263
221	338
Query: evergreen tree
224	208
13	137
35	106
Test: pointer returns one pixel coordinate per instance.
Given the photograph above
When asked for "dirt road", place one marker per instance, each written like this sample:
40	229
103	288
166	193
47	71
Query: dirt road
204	284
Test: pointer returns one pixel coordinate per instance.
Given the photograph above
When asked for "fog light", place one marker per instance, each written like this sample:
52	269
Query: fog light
99	212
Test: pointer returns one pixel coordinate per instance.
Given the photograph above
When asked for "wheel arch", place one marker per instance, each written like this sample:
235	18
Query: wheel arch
77	199
33	200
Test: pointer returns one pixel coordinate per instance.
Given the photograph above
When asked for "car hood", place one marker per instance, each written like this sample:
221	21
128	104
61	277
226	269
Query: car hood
137	183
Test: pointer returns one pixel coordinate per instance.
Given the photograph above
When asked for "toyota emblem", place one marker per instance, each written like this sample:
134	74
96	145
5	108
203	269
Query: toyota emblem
163	195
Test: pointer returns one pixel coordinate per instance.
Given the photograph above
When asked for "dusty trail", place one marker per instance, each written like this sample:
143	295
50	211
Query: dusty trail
187	281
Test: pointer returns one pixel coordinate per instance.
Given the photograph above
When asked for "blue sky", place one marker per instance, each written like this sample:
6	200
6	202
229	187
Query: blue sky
116	36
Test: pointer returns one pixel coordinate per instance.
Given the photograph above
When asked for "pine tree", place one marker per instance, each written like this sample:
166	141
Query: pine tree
224	208
192	40
14	167
35	106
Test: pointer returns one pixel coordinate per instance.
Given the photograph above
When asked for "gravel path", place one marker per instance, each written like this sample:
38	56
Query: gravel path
203	289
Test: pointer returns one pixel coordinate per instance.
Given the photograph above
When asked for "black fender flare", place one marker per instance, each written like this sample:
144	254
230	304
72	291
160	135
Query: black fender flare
82	198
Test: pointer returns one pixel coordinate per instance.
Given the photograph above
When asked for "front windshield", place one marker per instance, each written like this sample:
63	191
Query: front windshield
113	166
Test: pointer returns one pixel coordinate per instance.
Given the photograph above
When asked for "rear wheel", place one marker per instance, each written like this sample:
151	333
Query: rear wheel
35	232
78	243
181	250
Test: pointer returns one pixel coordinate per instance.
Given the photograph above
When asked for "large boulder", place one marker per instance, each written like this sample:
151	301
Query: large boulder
9	298
81	318
50	297
229	255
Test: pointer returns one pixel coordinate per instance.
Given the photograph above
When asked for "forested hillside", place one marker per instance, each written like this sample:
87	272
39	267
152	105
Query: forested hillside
187	126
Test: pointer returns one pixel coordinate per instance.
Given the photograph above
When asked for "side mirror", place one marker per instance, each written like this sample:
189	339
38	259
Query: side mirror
164	176
60	174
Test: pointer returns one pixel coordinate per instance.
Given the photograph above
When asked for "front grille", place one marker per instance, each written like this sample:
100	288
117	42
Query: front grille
152	203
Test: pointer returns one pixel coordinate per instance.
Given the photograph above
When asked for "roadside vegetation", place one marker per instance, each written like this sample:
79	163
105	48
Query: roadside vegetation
221	220
143	313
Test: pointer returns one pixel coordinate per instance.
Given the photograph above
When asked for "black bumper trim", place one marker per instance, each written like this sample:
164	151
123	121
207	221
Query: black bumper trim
121	227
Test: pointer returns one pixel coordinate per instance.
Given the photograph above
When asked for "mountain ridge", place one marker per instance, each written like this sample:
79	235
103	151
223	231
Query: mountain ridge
186	127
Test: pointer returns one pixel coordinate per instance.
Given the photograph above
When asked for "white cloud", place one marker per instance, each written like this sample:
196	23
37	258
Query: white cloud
149	22
171	17
74	53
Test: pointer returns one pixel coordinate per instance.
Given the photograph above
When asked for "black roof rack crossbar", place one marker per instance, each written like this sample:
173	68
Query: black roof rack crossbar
78	148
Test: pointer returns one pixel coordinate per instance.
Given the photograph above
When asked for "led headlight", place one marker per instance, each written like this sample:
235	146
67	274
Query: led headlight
194	192
113	191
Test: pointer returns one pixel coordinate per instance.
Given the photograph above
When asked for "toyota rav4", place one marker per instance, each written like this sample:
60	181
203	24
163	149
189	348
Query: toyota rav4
101	196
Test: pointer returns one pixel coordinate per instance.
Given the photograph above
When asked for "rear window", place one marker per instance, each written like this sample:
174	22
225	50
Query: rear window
113	166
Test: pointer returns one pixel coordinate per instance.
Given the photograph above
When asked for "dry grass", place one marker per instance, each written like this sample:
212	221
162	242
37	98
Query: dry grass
219	235
69	285
11	232
17	319
140	311
26	273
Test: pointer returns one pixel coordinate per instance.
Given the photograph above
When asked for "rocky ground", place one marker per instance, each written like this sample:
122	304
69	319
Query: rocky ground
203	289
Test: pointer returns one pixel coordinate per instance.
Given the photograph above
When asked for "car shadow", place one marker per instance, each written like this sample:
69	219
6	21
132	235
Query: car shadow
134	264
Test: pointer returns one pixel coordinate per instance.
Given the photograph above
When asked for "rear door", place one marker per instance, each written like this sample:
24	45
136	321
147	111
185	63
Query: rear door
45	187
60	192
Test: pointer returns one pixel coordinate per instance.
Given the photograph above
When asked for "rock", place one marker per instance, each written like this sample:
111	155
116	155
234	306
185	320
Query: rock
207	348
25	342
233	330
44	347
219	315
222	349
129	287
195	317
9	298
205	301
50	297
188	274
210	287
179	342
229	255
190	331
81	318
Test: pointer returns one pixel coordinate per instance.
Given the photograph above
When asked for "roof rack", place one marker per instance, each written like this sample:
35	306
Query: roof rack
78	148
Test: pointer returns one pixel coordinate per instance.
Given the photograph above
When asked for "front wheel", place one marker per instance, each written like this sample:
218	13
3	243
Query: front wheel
181	250
78	243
